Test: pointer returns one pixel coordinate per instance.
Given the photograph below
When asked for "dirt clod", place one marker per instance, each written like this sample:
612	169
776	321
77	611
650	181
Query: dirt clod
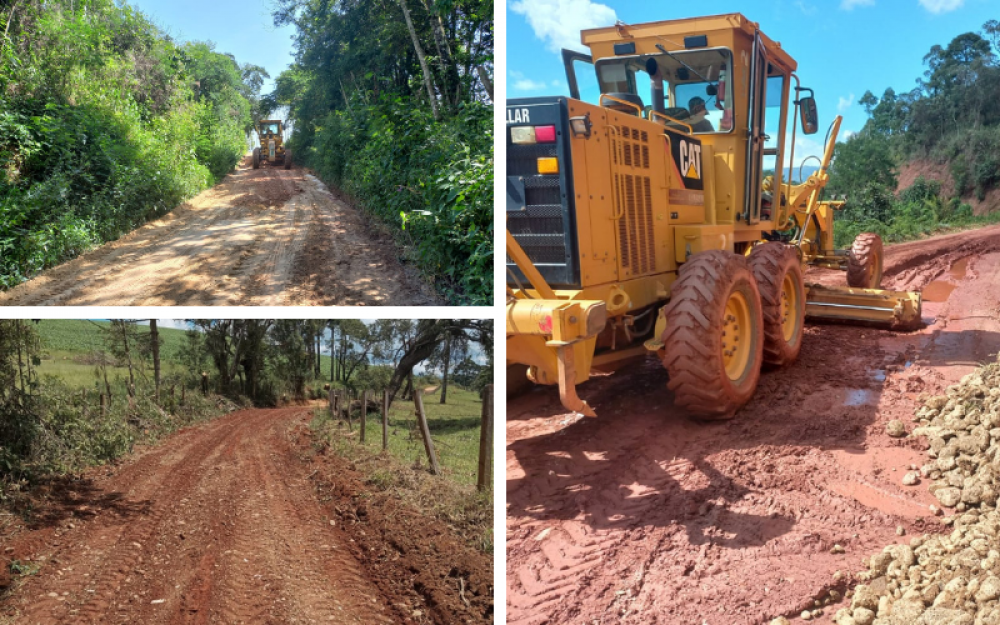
895	428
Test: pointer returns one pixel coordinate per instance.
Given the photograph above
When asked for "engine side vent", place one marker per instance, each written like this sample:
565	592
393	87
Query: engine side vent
634	202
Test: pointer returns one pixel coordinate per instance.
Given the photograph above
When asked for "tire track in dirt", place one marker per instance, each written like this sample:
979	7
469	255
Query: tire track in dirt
219	524
645	516
260	237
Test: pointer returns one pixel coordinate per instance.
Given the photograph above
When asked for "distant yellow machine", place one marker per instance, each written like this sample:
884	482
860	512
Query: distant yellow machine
270	135
669	227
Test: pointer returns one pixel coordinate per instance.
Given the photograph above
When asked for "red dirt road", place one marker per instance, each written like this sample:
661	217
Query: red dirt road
218	524
265	237
645	516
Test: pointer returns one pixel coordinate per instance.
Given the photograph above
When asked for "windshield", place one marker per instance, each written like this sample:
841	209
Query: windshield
269	128
694	81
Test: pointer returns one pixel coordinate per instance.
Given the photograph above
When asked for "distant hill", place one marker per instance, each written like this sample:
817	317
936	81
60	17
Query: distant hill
81	336
792	173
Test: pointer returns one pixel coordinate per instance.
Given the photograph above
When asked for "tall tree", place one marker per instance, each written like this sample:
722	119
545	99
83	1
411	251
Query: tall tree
154	344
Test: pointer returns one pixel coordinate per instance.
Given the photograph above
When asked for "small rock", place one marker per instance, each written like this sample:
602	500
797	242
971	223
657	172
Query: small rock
949	497
836	549
895	429
780	621
863	616
900	530
912	478
806	615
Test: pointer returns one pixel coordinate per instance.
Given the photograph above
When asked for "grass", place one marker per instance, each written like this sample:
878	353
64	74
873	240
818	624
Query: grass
454	429
82	337
454	426
80	375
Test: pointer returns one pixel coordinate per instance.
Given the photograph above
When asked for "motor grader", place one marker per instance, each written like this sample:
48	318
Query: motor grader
667	226
270	136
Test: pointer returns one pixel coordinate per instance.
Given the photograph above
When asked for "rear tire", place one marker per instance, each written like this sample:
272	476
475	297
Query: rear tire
864	262
778	272
713	344
288	159
256	158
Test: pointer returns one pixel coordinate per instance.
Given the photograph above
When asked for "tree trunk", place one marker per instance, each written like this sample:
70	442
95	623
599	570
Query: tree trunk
484	78
448	73
154	338
423	59
447	361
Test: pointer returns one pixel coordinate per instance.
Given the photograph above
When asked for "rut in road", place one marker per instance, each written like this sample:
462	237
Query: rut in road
260	237
219	524
646	516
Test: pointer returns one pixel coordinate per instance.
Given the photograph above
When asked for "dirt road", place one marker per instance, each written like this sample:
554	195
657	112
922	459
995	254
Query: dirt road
219	524
260	237
644	516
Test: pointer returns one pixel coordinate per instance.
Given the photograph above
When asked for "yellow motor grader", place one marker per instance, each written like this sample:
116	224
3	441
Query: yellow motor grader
270	136
666	225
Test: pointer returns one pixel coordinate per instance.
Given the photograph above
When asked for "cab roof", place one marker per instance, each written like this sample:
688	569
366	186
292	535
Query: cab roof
684	27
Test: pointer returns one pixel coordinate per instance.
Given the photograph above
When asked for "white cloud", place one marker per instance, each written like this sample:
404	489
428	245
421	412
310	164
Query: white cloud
847	134
941	6
847	5
527	84
807	9
558	22
845	103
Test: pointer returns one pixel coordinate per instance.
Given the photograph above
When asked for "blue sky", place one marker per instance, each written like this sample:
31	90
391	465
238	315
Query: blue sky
244	29
843	47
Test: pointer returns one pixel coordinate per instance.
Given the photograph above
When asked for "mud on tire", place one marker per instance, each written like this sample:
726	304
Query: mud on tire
864	261
702	377
778	273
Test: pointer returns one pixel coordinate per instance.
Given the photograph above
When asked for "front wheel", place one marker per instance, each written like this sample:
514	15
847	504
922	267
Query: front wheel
288	159
864	261
713	343
778	272
256	158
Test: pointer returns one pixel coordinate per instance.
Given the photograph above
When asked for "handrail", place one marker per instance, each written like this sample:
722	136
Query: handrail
690	128
638	109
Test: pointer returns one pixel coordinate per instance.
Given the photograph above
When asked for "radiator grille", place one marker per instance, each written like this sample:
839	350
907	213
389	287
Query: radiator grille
630	161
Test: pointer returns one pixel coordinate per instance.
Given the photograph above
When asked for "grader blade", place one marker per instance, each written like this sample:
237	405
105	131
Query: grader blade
899	310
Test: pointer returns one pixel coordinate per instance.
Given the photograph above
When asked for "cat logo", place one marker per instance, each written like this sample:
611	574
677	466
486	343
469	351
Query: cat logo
690	159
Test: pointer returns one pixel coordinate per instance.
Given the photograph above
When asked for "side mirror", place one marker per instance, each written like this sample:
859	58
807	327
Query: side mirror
808	115
652	67
712	90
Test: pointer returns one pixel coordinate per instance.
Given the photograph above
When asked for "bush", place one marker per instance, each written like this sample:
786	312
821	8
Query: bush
101	131
433	181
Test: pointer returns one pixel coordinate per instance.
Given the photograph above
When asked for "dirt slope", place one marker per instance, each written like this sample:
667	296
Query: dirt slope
219	524
645	516
260	237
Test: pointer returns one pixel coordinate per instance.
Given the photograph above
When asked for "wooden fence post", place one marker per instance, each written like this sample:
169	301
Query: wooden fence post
425	431
364	414
385	420
486	440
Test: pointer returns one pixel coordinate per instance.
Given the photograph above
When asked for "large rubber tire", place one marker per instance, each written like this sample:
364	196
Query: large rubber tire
778	272
288	159
256	158
712	375
864	262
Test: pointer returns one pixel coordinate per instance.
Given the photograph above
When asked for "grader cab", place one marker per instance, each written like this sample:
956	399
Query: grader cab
270	136
658	218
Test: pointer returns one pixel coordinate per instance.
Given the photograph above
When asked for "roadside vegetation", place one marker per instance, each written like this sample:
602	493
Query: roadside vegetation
106	123
392	103
951	121
78	393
